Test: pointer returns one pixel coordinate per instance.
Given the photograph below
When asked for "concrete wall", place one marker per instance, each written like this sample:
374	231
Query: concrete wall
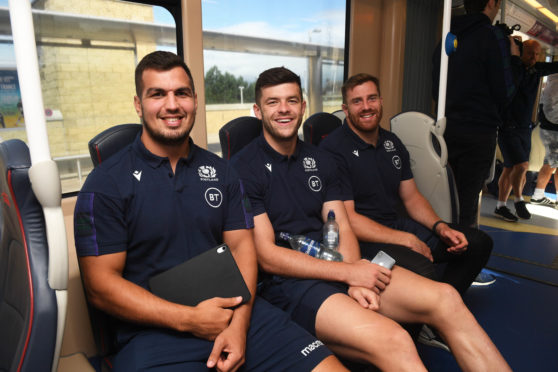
93	87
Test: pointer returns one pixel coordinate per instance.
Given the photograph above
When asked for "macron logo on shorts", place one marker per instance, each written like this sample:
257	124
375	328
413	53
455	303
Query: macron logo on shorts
313	346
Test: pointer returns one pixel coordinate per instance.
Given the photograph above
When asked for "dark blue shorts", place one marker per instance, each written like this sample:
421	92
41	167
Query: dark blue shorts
515	145
300	298
274	343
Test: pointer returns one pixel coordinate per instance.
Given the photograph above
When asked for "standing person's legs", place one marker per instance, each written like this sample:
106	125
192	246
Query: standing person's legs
504	185
544	176
507	142
549	138
470	157
520	159
517	177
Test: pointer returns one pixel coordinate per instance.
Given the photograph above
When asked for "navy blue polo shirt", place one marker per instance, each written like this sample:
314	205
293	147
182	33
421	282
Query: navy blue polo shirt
370	175
133	202
290	189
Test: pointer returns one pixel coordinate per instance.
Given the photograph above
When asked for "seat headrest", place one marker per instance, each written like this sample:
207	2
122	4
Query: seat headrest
112	140
318	126
237	133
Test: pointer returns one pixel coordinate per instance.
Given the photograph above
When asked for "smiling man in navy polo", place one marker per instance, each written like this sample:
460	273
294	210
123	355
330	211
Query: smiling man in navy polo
157	203
350	306
377	177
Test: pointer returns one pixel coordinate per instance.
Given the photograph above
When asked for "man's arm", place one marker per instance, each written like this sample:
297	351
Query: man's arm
348	243
420	210
290	263
107	290
368	230
230	346
547	68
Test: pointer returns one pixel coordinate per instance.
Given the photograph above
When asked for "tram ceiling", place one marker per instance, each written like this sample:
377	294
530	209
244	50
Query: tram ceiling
85	29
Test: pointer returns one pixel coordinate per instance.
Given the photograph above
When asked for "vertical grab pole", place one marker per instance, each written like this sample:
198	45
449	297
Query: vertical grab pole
29	79
447	40
444	62
43	174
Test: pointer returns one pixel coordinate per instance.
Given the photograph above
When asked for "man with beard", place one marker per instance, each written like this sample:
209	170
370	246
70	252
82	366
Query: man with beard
514	138
145	210
352	306
376	179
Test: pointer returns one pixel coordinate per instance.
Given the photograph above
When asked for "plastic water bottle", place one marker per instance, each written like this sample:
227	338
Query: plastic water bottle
331	232
311	247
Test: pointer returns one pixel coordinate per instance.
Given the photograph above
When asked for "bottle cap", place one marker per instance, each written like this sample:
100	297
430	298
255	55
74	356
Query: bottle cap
331	215
284	235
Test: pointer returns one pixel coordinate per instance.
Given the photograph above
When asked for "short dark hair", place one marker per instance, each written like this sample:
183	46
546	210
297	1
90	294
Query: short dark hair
159	61
275	76
475	6
358	79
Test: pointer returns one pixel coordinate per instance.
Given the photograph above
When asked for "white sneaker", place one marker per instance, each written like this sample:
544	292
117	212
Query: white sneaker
483	279
544	201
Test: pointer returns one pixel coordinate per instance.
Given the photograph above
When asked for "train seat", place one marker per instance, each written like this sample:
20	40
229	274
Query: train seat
28	305
340	114
237	133
111	140
101	147
427	148
318	126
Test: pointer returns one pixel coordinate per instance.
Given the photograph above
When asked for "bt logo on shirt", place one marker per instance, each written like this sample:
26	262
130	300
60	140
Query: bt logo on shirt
213	197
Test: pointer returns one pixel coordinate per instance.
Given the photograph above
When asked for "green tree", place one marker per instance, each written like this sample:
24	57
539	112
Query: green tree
223	88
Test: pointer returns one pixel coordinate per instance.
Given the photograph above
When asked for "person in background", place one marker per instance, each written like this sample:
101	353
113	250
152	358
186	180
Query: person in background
514	137
548	118
480	85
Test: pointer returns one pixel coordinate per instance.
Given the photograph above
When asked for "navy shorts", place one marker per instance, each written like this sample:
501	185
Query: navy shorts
515	145
274	343
300	298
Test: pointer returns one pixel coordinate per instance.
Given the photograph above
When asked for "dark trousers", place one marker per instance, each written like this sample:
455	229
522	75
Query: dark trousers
470	157
461	269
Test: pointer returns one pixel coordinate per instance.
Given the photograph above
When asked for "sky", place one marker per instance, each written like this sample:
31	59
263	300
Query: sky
317	22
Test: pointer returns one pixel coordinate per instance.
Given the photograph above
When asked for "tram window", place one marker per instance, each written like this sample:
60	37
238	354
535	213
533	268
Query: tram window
87	55
240	41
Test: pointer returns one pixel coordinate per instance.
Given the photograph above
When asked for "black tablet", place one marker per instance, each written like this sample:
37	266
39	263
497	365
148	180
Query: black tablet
213	273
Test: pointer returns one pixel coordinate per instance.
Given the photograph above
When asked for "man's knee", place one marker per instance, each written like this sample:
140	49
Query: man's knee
399	338
480	243
448	300
521	168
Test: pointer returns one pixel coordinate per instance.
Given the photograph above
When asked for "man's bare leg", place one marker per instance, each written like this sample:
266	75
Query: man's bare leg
359	334
544	176
518	178
329	364
504	185
413	298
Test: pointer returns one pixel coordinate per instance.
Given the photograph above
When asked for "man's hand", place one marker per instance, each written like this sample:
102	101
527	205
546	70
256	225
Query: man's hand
228	350
456	241
412	242
365	297
368	275
212	316
514	48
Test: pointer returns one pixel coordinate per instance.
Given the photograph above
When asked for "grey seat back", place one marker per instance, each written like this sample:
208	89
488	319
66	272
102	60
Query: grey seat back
428	152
